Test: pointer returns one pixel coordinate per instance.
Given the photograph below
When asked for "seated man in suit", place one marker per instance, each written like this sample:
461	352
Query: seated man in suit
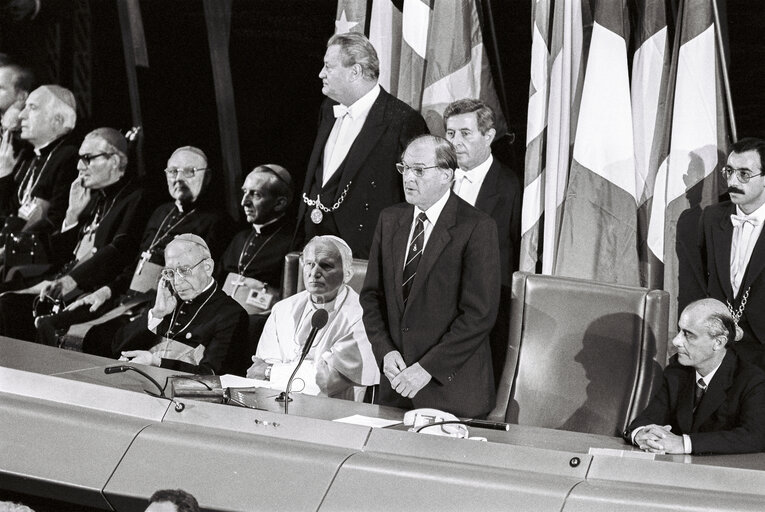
98	237
431	290
342	357
251	266
711	401
193	326
188	177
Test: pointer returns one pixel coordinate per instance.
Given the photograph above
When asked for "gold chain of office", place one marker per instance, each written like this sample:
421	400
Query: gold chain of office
740	311
316	215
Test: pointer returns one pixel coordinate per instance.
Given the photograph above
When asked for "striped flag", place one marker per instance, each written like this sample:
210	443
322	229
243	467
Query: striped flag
652	93
385	36
415	22
351	16
599	229
457	65
554	84
698	143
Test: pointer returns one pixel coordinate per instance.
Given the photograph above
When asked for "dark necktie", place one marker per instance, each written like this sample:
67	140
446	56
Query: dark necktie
699	392
414	254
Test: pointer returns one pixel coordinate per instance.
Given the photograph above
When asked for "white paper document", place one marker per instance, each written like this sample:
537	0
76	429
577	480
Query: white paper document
368	421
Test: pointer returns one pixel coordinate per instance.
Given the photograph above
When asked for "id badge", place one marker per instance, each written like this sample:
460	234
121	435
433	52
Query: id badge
25	210
260	299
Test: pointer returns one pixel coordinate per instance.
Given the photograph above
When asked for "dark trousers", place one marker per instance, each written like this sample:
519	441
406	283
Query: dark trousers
16	319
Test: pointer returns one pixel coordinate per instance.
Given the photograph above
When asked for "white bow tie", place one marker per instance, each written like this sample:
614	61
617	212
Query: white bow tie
340	110
460	174
740	220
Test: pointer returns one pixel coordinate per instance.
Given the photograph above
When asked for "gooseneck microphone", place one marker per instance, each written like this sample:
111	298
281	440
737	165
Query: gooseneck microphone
124	368
318	320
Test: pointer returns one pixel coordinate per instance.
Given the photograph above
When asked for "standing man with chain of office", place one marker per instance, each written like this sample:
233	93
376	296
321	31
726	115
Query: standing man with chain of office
351	173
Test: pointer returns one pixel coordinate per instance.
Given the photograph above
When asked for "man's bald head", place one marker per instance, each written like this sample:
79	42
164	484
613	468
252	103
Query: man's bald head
717	319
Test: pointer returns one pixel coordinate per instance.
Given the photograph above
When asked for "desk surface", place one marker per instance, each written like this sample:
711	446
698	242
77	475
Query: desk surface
232	437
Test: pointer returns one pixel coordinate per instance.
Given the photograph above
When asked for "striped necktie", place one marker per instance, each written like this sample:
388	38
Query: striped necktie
414	254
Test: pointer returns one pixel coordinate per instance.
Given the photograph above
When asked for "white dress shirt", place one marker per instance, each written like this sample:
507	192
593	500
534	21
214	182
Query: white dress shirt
742	244
348	124
467	184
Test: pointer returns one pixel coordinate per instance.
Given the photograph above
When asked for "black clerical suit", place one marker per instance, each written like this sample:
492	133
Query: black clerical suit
368	172
121	214
51	174
212	319
167	221
730	418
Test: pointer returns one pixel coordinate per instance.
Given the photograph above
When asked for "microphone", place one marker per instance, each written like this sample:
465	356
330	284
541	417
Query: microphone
116	369
491	425
318	320
123	368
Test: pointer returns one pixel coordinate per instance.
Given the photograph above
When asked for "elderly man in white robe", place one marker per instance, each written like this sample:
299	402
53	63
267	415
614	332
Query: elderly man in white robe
340	363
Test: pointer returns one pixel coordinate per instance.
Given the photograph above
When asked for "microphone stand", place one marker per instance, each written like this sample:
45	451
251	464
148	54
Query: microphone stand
125	368
318	320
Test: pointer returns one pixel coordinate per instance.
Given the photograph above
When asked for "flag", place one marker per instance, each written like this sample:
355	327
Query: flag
652	92
554	85
687	180
351	16
385	36
415	22
456	64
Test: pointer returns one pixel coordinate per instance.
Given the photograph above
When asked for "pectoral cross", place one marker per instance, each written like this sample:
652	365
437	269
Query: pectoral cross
145	256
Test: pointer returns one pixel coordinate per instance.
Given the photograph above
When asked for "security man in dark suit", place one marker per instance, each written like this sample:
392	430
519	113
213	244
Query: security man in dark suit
362	131
711	401
431	290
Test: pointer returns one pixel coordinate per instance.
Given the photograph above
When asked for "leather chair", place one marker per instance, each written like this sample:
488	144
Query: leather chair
292	277
582	355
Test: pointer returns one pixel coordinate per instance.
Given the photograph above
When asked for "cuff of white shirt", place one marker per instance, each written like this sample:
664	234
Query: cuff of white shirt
634	433
687	447
66	227
153	323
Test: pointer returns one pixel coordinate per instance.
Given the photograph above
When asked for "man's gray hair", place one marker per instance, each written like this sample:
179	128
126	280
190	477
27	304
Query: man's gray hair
63	104
356	49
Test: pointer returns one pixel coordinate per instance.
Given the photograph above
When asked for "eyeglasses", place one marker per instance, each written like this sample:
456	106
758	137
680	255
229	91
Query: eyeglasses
185	172
742	175
182	271
416	169
89	157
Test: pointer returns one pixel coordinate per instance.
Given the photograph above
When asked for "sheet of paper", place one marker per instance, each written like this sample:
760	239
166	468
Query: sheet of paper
633	454
234	381
368	421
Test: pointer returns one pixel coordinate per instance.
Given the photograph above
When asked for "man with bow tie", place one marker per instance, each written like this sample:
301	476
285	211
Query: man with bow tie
732	249
710	401
362	131
493	188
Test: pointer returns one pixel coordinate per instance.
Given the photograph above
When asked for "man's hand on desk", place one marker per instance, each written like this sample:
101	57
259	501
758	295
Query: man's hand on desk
410	381
141	357
258	369
659	439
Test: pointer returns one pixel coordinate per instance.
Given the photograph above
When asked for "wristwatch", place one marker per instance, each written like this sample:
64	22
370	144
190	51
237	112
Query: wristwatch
267	373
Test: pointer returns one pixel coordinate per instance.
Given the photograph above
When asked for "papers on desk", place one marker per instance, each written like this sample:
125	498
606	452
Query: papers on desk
367	421
234	381
632	454
304	382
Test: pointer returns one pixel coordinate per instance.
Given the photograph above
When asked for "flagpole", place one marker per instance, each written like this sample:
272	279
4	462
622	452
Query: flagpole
726	80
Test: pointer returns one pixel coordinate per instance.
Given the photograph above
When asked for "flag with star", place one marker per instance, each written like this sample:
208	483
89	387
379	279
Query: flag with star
351	16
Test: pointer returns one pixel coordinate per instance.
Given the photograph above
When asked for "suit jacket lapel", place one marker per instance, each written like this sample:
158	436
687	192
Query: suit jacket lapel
722	236
374	127
400	239
685	402
756	264
439	238
488	196
716	393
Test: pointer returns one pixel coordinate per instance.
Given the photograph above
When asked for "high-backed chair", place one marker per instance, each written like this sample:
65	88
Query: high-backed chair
292	278
582	355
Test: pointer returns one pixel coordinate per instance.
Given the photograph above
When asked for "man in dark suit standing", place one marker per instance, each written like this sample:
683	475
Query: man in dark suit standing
431	290
362	132
711	401
732	249
490	186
